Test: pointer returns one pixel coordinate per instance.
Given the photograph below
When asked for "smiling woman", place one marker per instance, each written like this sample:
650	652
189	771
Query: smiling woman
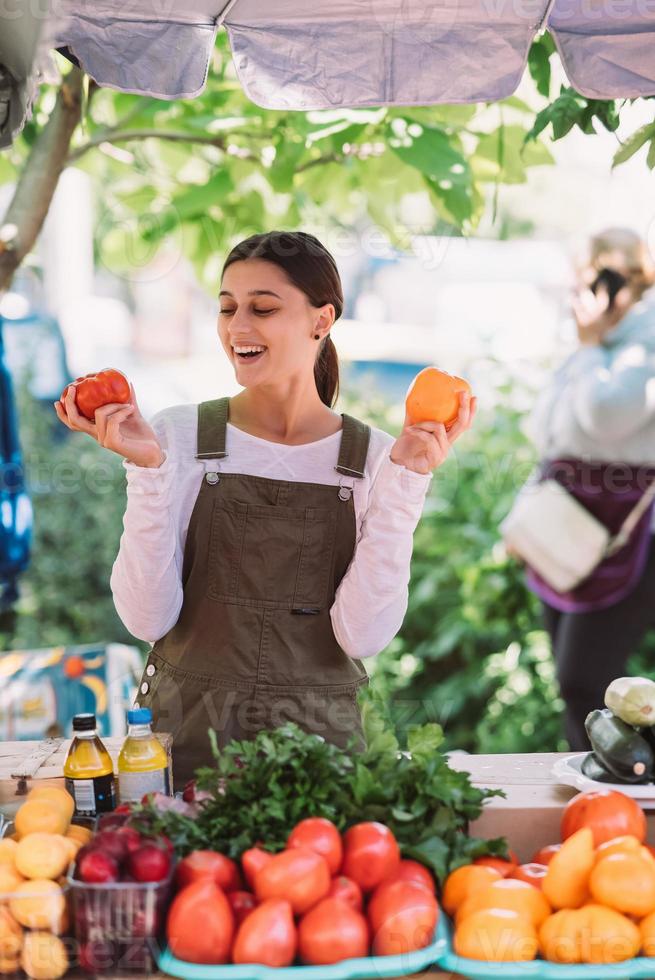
267	539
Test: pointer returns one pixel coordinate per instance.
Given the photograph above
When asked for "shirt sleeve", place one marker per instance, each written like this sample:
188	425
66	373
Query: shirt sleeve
613	396
146	578
371	600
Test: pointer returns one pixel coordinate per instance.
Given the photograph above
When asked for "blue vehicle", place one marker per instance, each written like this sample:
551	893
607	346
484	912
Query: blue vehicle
31	350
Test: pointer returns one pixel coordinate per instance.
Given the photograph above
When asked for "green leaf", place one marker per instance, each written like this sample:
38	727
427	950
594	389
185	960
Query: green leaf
425	741
650	159
539	63
433	152
634	143
195	201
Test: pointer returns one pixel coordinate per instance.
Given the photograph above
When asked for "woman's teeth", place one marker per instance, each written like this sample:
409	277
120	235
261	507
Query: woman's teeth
249	351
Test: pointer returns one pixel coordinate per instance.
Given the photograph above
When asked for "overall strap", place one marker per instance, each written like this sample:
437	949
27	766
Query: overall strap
212	423
355	439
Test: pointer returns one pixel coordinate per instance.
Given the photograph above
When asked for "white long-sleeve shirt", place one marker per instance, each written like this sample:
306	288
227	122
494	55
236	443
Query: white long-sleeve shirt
370	602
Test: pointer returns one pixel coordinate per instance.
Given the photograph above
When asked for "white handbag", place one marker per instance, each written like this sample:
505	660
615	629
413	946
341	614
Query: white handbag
558	537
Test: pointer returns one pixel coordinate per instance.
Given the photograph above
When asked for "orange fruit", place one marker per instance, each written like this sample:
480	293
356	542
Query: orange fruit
38	904
10	879
43	855
433	396
500	935
607	812
7	850
11	934
647	929
607	936
57	796
559	937
508	893
625	882
9	965
40	816
44	956
79	833
566	883
462	882
619	845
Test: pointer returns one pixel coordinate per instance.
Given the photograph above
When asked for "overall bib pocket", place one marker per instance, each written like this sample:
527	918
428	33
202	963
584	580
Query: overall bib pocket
274	557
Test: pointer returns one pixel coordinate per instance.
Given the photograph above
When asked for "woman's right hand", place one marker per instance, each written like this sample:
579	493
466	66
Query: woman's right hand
120	428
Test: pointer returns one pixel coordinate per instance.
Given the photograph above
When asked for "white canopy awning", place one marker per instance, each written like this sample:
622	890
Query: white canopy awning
296	54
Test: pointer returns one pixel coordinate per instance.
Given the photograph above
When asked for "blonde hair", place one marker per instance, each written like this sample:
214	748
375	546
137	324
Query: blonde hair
623	251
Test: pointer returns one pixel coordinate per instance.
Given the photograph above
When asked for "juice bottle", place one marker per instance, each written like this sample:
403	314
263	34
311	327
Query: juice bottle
143	762
88	770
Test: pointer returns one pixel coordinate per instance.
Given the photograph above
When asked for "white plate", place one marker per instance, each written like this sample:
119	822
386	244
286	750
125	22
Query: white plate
568	771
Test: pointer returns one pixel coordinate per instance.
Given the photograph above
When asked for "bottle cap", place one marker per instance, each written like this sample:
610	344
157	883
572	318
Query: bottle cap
84	723
139	716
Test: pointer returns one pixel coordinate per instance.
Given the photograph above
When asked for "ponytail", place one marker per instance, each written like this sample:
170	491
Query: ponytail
326	372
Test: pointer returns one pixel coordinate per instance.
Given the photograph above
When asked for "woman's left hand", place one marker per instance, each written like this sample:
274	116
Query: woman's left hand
423	447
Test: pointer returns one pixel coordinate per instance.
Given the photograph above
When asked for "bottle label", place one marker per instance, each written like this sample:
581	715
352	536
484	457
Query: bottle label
132	786
93	796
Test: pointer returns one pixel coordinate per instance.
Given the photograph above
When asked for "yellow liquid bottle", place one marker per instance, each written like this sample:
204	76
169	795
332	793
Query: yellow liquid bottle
88	770
143	762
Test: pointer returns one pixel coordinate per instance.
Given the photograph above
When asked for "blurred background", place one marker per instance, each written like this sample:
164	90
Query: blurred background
471	272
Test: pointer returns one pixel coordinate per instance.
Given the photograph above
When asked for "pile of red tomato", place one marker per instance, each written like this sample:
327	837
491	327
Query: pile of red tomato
323	899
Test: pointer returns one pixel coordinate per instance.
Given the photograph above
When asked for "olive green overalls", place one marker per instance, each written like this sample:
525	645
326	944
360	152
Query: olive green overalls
254	646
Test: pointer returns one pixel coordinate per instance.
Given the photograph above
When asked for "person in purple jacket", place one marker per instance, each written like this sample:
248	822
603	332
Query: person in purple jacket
594	426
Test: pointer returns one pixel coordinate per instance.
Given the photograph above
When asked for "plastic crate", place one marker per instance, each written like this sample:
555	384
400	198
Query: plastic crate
119	926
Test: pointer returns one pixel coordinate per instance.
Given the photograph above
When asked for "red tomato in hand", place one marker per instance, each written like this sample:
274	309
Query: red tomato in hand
320	835
503	867
92	391
403	916
414	871
533	873
200	925
242	904
371	854
253	861
208	864
332	931
300	876
607	812
545	854
267	936
347	891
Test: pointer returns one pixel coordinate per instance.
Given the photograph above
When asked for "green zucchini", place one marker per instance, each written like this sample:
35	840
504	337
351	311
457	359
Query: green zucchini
593	768
619	748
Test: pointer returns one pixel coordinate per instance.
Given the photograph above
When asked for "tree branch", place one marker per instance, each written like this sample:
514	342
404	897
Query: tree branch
143	134
21	225
319	161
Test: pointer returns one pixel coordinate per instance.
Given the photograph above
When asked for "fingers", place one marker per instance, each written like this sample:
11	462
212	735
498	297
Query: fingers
468	407
108	419
61	414
77	421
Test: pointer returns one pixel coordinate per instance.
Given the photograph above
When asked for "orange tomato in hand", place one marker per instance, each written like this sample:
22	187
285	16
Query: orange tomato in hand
608	813
92	391
433	396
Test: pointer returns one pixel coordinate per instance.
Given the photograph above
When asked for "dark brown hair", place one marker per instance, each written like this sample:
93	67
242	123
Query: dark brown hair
310	267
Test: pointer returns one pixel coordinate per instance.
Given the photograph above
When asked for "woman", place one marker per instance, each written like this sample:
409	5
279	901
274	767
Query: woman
267	539
595	429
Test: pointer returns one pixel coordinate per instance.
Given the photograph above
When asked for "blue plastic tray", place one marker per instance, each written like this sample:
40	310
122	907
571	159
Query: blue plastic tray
642	967
359	969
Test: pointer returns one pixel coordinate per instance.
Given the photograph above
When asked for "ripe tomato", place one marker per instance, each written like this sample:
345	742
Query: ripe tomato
503	867
95	390
332	931
371	854
320	835
532	873
607	812
252	861
242	904
348	891
267	936
200	924
403	916
300	876
545	854
208	864
414	871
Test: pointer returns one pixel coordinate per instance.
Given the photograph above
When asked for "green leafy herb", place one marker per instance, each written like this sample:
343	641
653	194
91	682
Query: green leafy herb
260	789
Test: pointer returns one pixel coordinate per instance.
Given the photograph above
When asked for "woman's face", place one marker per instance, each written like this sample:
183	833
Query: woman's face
267	325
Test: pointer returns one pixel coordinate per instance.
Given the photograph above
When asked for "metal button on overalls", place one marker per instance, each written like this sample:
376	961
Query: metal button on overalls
254	646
